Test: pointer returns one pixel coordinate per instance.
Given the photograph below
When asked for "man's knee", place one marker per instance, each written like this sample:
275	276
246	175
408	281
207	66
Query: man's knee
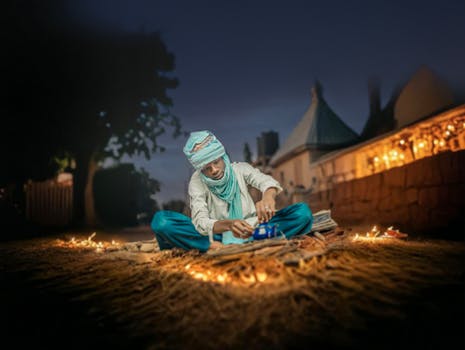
304	212
159	222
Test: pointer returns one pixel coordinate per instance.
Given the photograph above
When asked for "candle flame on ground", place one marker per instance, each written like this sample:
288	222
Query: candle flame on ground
89	243
375	234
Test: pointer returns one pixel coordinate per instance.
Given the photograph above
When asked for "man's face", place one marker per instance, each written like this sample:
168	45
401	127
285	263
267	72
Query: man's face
214	170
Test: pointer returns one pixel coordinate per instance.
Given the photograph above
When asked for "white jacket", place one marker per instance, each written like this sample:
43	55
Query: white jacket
207	208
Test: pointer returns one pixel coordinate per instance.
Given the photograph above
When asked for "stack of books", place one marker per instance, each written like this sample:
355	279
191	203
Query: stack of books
322	221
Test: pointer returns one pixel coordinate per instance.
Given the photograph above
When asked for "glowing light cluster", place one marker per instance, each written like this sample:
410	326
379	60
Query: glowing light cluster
419	141
207	275
89	243
375	234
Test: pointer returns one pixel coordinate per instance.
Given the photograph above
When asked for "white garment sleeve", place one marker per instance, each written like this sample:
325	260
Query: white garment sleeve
255	178
199	209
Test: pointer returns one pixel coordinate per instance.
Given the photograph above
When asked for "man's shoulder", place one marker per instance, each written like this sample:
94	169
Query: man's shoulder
196	173
241	165
244	168
195	178
196	185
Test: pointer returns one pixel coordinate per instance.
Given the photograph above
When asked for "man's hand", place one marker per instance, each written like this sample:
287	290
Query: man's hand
240	228
266	208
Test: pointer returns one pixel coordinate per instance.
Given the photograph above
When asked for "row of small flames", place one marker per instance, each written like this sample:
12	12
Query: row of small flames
99	247
207	275
375	233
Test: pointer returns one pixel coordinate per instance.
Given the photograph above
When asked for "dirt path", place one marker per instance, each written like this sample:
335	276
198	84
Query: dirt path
382	294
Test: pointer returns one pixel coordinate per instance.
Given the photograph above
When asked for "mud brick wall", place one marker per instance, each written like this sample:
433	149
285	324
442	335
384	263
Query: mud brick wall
424	197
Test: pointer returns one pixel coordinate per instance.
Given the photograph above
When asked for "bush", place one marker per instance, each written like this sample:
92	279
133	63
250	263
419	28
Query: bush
124	195
175	205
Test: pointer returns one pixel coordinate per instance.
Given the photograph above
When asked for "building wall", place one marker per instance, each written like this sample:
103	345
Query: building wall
426	196
442	133
294	171
316	172
412	179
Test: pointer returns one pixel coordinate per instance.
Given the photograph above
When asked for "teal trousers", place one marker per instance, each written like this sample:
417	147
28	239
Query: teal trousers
173	229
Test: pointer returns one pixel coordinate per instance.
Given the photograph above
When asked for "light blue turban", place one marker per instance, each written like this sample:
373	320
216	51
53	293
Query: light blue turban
226	188
211	148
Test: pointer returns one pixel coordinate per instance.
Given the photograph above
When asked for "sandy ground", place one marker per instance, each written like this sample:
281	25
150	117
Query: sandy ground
360	294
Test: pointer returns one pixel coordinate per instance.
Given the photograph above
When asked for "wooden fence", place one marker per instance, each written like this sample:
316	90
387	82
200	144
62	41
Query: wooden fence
49	203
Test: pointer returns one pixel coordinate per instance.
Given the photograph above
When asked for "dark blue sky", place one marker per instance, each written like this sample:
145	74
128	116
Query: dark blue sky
247	66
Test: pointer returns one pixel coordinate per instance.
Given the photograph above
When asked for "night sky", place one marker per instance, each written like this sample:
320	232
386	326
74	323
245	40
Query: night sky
248	66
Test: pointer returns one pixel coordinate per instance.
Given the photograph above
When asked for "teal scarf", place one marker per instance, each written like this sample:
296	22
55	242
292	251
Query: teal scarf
227	189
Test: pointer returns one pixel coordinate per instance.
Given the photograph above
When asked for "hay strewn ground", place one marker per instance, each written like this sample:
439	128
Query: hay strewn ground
307	293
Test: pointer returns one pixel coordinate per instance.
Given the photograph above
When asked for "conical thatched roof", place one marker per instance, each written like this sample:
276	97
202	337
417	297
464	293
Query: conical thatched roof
319	128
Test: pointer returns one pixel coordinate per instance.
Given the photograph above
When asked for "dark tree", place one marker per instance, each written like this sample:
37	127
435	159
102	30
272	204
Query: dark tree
126	104
83	94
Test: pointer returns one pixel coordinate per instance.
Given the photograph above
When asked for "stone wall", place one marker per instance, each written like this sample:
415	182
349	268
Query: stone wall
423	197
